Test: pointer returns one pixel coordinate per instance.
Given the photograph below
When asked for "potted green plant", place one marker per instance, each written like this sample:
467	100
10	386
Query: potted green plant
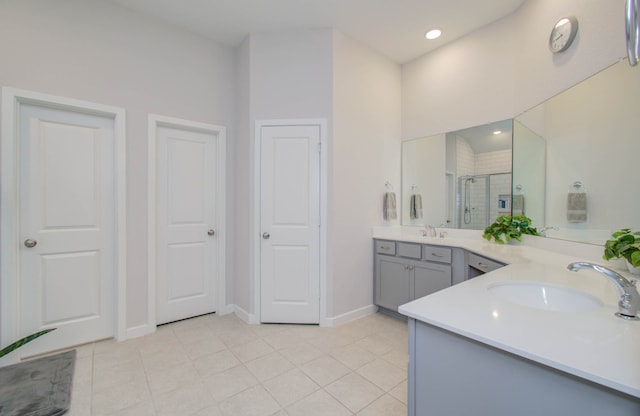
625	244
510	227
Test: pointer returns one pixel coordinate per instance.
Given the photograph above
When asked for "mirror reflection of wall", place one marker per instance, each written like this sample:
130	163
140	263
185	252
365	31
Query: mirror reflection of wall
423	166
591	131
464	177
529	173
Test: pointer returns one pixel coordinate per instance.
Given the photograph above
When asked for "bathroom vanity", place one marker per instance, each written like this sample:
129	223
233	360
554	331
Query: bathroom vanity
529	338
406	270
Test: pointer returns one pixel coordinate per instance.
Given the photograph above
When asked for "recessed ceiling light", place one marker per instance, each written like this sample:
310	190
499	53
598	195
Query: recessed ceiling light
497	132
433	34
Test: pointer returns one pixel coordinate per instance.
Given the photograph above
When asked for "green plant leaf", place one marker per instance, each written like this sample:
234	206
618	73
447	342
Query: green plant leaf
624	244
19	343
509	227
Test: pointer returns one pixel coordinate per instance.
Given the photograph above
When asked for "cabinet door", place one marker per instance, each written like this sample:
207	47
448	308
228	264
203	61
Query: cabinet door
392	282
429	278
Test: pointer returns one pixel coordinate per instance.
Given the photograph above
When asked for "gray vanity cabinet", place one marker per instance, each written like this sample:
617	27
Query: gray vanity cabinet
430	277
392	282
407	271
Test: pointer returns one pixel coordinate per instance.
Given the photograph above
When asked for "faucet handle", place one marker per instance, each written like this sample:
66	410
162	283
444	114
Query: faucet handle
625	301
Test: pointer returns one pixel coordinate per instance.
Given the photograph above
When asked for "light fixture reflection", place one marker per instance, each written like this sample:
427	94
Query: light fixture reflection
497	132
495	314
433	34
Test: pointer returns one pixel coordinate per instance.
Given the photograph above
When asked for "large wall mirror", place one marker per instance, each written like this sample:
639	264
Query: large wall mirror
460	179
574	161
592	135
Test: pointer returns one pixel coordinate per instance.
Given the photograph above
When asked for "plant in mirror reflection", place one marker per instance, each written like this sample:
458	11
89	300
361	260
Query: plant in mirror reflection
625	244
510	227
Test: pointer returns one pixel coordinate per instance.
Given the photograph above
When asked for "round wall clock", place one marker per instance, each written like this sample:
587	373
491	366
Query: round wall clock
563	34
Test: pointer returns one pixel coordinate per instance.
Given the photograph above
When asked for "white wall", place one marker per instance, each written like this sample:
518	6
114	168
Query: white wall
365	153
466	83
540	74
97	51
499	71
242	282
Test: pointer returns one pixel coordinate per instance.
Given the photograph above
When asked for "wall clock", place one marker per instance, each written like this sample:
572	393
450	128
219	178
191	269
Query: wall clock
563	34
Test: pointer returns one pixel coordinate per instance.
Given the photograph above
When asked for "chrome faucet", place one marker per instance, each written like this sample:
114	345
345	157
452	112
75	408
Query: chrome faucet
543	231
629	302
428	231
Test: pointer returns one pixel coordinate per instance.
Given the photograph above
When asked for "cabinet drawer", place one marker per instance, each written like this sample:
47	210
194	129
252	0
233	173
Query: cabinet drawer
483	264
386	247
411	251
435	253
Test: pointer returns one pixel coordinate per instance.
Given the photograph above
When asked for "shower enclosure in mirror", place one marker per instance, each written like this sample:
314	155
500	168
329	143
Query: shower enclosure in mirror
482	198
462	179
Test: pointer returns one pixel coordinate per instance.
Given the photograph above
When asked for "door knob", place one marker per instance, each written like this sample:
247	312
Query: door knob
266	235
211	232
30	243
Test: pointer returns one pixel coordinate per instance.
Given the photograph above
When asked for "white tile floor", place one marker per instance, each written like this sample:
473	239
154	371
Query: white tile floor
220	366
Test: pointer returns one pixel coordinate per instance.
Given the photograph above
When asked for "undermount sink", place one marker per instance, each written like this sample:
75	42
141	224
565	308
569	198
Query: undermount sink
545	296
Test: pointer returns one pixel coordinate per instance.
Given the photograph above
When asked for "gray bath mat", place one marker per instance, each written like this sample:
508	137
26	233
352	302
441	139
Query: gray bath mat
40	387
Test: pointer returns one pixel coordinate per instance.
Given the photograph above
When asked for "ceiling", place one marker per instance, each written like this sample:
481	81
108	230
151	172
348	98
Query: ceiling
482	138
394	28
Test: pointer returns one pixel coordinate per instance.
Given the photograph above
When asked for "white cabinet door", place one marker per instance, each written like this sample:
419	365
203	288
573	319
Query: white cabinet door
187	245
66	231
290	224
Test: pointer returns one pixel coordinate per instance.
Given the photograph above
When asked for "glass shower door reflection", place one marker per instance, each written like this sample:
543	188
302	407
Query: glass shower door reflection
473	202
481	199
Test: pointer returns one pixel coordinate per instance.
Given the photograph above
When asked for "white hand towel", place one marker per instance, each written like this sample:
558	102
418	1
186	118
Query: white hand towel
415	207
517	205
577	207
389	206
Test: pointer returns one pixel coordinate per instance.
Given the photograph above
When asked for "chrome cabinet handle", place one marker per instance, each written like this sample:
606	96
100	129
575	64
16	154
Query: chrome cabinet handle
30	243
437	255
266	235
211	232
482	265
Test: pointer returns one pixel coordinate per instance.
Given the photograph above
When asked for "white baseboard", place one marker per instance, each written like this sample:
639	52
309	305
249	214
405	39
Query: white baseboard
249	318
349	316
226	309
138	331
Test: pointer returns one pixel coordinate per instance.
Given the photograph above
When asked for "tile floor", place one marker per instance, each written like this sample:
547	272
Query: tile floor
220	366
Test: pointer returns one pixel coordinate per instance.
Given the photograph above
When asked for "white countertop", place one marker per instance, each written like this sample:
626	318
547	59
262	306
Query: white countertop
594	345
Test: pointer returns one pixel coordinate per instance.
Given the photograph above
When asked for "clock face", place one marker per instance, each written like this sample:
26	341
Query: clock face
562	34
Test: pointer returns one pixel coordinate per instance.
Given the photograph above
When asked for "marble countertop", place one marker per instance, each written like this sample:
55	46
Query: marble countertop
594	345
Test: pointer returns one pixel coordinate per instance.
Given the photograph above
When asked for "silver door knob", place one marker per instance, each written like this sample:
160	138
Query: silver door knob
211	232
266	235
30	243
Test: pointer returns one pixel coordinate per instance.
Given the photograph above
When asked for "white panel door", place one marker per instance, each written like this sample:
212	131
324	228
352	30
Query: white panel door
186	230
67	211
290	224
